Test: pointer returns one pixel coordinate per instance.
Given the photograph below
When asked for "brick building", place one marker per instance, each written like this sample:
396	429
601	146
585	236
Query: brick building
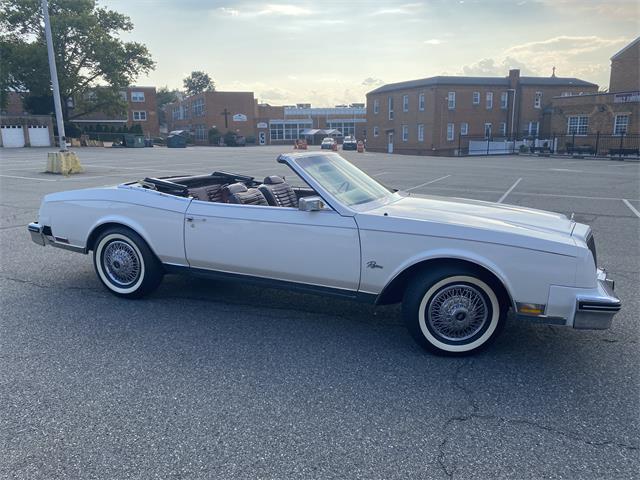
240	113
226	111
142	109
616	112
432	115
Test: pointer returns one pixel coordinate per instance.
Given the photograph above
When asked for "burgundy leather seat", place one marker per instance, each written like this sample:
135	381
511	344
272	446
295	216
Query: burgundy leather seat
239	193
278	192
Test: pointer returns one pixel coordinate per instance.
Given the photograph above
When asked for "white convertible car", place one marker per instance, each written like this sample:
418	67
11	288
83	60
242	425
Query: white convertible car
458	266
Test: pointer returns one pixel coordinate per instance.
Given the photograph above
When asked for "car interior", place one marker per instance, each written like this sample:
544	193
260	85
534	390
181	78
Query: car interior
223	187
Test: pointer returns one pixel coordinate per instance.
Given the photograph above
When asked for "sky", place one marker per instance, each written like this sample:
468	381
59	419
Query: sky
330	52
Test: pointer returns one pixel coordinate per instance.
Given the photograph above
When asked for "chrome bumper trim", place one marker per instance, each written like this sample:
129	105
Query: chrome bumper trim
595	312
37	236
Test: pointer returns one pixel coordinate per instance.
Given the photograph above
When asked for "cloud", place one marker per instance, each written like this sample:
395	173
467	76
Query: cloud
405	9
372	82
433	41
564	45
490	67
229	11
285	10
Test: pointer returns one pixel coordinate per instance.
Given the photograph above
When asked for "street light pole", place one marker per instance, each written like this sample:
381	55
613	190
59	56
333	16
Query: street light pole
54	77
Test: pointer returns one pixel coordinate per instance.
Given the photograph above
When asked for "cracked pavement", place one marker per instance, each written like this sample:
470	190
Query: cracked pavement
206	379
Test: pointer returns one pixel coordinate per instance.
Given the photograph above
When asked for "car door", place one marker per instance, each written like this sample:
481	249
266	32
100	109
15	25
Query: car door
318	248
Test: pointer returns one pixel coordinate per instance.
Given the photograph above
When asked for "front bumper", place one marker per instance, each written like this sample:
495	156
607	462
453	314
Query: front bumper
594	311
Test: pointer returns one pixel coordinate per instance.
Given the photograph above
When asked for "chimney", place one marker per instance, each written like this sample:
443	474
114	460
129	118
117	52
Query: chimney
514	77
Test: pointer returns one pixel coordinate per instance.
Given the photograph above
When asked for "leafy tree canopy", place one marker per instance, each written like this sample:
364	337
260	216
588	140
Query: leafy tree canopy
164	96
198	82
94	64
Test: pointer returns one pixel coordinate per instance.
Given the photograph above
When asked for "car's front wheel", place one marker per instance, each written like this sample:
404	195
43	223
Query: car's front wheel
125	264
453	311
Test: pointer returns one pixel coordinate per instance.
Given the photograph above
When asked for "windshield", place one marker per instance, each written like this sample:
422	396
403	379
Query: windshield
342	179
327	140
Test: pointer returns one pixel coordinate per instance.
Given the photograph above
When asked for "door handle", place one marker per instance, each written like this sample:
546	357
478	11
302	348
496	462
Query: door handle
195	219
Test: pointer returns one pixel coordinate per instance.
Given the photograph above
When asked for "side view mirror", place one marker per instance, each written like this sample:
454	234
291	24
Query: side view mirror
310	204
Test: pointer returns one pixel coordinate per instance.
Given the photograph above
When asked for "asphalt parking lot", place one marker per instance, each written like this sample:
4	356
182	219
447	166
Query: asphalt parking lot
205	379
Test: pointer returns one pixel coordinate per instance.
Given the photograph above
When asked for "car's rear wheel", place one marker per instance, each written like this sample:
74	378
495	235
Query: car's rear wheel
453	311
125	264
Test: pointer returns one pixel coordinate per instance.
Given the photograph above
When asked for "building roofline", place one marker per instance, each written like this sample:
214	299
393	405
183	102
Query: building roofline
480	81
625	48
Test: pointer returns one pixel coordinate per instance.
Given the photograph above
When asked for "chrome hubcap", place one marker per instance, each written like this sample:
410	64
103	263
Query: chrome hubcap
121	263
457	312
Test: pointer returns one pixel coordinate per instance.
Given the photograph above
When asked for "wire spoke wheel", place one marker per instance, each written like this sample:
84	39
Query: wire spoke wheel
457	312
121	263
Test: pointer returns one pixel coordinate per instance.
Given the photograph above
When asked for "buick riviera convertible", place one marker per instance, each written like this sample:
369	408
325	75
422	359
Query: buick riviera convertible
458	266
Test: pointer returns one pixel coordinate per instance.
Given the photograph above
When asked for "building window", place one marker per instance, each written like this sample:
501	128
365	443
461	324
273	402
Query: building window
376	131
283	130
503	128
489	100
451	100
487	130
175	114
578	125
405	133
346	128
198	107
405	103
139	116
137	96
476	98
537	101
464	128
450	131
200	132
390	107
533	129
504	100
421	102
376	106
421	132
621	125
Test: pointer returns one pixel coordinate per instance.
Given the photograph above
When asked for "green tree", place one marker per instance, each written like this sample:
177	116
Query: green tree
94	64
198	82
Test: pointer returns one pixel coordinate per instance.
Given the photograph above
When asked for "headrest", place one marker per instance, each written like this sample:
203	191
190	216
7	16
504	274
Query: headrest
236	188
272	180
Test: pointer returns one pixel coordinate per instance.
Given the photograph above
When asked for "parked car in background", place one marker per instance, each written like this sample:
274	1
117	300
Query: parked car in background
458	266
350	143
328	143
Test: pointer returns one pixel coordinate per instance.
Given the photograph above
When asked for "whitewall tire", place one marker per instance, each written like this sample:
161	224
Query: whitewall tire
453	311
124	263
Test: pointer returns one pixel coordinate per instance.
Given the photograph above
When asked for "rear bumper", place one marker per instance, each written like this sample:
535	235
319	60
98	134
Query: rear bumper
36	233
595	311
43	238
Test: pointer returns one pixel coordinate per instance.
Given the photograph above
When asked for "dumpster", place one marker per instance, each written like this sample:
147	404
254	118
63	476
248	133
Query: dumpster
133	141
177	139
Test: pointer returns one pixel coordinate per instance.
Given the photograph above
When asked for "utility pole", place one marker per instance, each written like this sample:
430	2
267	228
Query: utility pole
54	76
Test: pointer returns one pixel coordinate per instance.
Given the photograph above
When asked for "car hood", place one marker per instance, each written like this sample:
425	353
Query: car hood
479	221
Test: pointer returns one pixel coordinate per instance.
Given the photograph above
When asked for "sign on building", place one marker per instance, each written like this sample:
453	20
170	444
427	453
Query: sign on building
262	125
626	97
239	117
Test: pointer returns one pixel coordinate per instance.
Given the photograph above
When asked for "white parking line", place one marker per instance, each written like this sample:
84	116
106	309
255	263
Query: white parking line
506	194
631	207
381	173
426	183
30	178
